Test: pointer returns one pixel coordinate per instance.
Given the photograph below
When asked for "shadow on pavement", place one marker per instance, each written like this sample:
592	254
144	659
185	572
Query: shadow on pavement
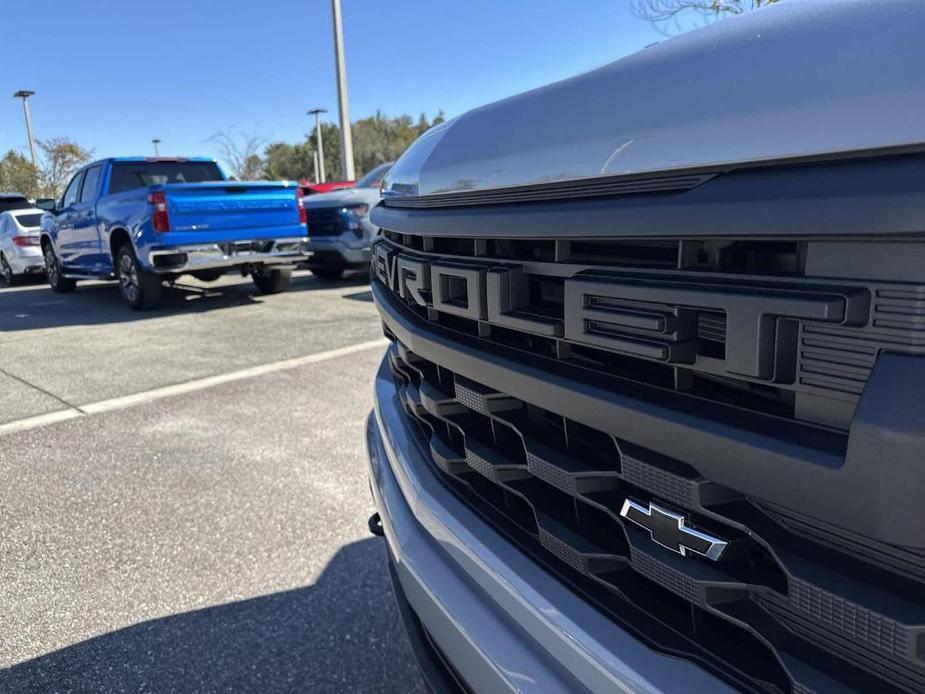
36	280
35	306
342	634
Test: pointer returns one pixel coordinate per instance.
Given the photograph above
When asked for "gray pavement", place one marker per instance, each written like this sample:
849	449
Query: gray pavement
209	542
87	346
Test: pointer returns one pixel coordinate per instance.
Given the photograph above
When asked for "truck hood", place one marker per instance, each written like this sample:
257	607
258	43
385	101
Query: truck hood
343	198
802	78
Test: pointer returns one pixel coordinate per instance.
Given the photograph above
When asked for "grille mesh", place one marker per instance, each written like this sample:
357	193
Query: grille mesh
325	221
796	603
541	473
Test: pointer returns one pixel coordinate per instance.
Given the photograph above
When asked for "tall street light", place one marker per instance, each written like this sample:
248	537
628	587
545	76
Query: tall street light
24	94
156	141
319	168
346	137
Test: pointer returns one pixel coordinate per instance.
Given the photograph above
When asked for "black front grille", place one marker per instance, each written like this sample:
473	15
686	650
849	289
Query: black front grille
745	356
781	610
820	366
325	221
797	602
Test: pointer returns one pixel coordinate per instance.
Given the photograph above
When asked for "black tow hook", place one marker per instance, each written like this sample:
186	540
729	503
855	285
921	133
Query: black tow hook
375	525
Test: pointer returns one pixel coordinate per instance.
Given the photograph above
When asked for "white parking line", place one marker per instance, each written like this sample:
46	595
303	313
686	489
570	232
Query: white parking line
39	421
147	396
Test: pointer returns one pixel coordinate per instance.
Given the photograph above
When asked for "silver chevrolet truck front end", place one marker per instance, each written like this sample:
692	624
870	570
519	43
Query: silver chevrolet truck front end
651	416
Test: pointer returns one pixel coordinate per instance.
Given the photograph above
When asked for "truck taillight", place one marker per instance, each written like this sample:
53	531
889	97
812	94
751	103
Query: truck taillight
303	217
160	219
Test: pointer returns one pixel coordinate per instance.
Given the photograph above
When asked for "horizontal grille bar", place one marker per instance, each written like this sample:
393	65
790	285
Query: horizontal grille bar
657	311
565	190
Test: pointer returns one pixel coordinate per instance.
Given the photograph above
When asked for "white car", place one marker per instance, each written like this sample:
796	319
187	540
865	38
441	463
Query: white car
20	252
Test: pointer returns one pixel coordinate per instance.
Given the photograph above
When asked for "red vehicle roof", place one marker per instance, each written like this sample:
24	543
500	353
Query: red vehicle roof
308	187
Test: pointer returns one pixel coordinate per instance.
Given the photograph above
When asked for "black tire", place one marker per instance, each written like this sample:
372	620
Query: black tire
328	273
6	272
272	281
56	279
140	288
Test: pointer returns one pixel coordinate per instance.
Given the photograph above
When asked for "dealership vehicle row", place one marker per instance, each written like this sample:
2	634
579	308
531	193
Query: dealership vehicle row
148	221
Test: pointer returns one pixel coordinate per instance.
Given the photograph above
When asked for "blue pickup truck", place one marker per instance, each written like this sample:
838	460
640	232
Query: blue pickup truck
144	221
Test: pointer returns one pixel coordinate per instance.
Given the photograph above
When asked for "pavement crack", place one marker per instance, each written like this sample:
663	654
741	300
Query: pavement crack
64	402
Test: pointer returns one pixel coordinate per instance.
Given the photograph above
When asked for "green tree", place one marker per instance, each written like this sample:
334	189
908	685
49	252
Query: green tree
376	140
330	141
289	162
61	157
18	175
379	138
294	162
676	16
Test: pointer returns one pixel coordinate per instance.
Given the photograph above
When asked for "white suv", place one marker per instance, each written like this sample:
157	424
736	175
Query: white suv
20	252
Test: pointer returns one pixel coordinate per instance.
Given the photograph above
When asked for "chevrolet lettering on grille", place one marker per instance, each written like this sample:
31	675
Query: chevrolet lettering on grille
648	316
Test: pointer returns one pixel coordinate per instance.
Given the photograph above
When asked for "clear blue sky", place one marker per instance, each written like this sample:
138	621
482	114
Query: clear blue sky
112	74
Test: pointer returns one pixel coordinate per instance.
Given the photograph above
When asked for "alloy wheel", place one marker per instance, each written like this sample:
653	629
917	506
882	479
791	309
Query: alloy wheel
51	265
6	270
128	277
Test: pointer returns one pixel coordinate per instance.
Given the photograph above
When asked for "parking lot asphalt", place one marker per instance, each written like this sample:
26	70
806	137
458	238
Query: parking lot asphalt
59	350
211	541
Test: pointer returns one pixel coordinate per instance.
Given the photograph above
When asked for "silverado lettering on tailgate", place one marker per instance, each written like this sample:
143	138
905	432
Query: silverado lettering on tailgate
194	206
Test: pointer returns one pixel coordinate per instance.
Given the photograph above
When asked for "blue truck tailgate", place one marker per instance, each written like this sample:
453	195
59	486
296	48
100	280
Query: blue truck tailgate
227	210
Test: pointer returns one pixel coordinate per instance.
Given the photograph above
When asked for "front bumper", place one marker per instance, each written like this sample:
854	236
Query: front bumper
345	250
210	256
502	622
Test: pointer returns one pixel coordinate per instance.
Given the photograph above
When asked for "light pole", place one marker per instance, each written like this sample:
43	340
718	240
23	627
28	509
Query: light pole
319	168
346	137
156	141
24	94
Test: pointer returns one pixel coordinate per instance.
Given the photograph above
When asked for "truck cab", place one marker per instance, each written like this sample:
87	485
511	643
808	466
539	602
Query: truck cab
144	221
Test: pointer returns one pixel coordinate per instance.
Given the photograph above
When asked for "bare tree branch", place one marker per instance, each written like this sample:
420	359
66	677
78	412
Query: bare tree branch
241	154
675	16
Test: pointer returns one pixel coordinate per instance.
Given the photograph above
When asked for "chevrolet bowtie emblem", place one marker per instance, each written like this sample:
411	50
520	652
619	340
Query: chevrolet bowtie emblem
670	530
